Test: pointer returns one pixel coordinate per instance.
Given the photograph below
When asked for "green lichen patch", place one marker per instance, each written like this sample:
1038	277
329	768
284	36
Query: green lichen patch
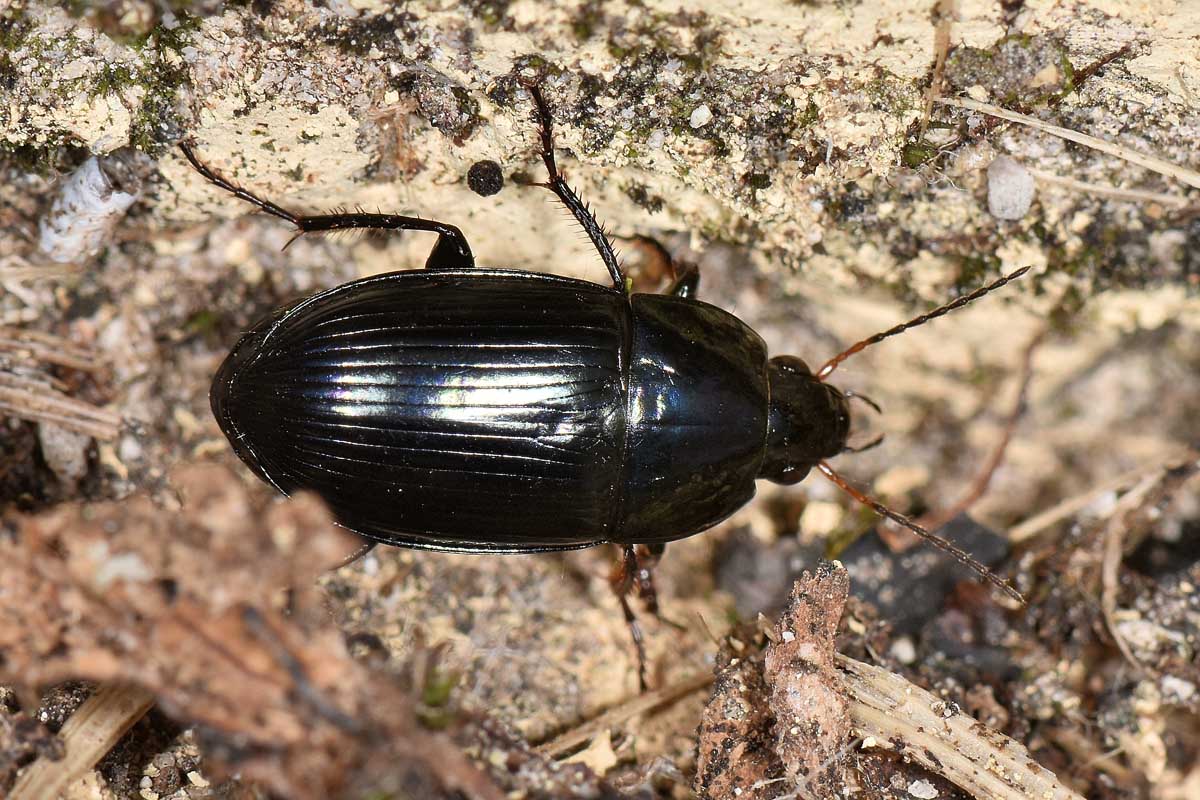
493	13
87	88
915	154
165	74
975	270
448	107
587	19
689	36
370	36
1025	69
52	157
643	197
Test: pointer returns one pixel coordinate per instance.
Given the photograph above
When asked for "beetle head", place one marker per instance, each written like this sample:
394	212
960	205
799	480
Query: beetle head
808	421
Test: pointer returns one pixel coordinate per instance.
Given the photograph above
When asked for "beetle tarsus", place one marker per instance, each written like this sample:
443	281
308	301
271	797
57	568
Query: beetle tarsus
583	215
647	558
450	252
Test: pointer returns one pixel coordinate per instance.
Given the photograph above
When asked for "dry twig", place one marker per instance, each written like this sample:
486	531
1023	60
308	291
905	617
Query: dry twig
569	741
1160	165
890	712
1043	521
89	733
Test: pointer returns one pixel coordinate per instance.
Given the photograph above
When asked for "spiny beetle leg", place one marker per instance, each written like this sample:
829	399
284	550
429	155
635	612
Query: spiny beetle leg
622	582
556	184
647	558
450	252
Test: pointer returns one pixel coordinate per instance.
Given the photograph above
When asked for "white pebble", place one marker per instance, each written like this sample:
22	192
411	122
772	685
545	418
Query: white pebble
903	650
122	567
1177	690
1010	188
701	116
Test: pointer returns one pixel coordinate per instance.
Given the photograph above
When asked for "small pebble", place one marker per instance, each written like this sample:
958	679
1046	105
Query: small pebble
903	650
701	116
1010	188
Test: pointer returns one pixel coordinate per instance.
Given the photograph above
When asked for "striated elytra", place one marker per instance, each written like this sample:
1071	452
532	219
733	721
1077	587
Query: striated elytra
500	410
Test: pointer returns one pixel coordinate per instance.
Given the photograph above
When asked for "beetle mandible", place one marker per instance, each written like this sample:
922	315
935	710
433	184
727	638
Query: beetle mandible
504	411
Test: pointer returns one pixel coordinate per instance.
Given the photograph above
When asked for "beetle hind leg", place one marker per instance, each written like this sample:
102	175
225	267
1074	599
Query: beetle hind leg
583	215
623	580
622	583
635	573
450	252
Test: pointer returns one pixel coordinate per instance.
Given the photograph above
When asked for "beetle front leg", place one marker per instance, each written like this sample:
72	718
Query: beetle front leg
450	252
578	209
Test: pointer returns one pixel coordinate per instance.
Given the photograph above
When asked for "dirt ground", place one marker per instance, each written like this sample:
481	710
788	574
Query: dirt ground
170	628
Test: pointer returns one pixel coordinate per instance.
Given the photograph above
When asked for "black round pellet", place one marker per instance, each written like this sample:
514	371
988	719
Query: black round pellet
485	178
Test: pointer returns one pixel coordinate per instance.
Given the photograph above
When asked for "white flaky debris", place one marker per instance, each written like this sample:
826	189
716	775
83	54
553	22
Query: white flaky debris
922	789
65	451
83	215
1010	188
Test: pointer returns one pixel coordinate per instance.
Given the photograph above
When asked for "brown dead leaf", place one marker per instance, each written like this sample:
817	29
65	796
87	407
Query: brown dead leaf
191	606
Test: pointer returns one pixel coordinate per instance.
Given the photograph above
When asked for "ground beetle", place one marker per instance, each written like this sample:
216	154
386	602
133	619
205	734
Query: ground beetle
504	411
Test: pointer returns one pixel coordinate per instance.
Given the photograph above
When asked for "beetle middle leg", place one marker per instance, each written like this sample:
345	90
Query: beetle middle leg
685	275
450	252
577	207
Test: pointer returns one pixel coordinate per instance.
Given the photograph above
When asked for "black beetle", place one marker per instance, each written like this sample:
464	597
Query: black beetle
504	411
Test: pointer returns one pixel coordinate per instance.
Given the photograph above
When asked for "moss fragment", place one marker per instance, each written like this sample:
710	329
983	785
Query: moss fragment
915	154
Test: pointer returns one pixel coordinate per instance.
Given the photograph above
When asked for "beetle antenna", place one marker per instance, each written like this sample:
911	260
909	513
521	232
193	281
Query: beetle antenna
832	363
937	541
